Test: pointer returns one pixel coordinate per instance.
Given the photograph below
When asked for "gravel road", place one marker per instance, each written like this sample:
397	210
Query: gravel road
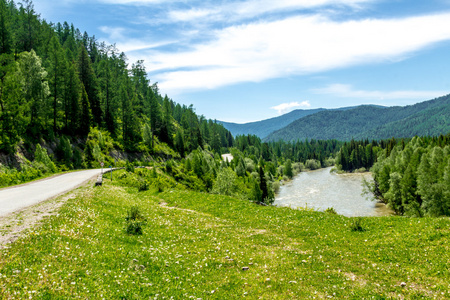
18	197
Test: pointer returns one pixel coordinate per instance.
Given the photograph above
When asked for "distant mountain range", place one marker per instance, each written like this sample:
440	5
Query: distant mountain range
265	127
366	121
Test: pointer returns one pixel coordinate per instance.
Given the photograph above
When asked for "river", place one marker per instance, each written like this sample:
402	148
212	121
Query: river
321	189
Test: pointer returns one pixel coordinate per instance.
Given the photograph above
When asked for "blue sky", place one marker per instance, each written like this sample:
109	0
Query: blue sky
247	60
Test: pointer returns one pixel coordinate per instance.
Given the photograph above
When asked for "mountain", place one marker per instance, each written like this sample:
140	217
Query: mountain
265	127
373	122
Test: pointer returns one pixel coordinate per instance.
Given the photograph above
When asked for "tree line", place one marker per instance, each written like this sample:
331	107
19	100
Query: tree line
413	177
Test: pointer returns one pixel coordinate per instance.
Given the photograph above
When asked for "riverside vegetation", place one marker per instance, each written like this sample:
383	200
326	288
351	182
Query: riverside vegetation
200	245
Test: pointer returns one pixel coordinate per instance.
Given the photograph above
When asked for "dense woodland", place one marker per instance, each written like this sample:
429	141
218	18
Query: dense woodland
429	118
413	178
56	81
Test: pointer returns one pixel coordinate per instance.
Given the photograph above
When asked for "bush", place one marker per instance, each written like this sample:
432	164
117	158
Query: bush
169	167
143	186
357	225
312	164
276	186
135	221
134	214
129	167
331	210
134	228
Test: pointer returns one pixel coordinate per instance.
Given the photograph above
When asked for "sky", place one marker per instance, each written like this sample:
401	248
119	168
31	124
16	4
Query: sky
248	60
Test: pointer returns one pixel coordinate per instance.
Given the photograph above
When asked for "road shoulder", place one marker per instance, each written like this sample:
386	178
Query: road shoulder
15	224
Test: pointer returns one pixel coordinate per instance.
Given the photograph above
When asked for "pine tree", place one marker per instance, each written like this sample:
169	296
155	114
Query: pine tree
6	39
56	76
86	115
89	80
288	169
263	184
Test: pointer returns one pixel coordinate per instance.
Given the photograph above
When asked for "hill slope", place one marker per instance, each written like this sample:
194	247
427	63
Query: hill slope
265	127
216	247
373	122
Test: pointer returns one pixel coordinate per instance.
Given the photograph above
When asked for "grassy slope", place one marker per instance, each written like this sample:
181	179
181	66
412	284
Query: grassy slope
196	244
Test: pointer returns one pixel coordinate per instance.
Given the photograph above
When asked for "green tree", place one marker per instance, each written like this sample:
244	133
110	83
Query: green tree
288	169
6	38
12	109
73	114
226	182
155	112
35	89
57	70
263	184
89	80
86	115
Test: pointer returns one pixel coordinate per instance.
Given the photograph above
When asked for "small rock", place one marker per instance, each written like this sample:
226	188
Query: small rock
250	264
403	284
245	268
292	281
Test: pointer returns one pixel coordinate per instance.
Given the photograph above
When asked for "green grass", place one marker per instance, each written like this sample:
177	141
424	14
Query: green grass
195	245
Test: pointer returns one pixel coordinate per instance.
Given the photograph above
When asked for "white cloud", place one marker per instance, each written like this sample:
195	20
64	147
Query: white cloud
286	107
135	2
347	91
114	33
293	46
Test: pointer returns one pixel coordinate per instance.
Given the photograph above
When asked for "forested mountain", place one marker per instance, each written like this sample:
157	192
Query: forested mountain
265	127
57	85
371	122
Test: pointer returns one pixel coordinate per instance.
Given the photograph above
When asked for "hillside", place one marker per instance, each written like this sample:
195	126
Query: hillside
196	245
372	122
265	127
80	99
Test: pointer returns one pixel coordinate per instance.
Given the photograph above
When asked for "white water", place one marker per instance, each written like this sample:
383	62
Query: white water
321	189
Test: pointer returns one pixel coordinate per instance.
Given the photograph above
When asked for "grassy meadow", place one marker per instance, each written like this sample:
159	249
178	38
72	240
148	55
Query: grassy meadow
197	245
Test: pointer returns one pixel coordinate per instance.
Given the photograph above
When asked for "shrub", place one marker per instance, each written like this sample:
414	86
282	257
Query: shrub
129	167
43	161
143	186
357	225
134	214
135	221
331	210
276	186
312	164
169	167
134	228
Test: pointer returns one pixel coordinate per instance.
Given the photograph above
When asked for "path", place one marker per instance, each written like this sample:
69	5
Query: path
18	197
